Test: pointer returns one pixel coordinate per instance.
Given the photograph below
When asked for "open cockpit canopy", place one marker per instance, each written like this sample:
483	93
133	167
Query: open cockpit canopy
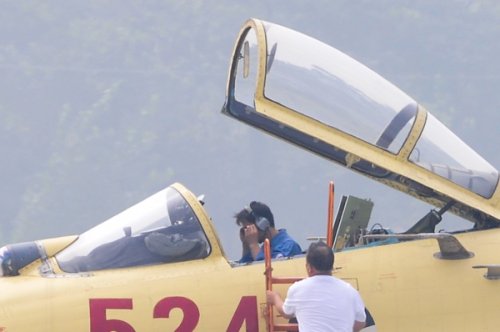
312	95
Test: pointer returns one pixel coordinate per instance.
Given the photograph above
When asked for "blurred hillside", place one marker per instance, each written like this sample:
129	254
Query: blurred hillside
103	103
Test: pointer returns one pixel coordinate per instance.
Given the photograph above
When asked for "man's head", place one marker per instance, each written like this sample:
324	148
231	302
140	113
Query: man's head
258	214
254	213
319	259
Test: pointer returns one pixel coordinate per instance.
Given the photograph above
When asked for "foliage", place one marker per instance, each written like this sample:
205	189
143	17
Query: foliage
105	102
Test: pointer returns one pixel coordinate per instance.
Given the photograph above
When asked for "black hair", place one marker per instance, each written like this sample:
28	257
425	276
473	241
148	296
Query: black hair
255	209
244	215
320	256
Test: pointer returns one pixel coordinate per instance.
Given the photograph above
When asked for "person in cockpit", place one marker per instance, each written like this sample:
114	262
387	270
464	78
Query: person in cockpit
178	242
256	223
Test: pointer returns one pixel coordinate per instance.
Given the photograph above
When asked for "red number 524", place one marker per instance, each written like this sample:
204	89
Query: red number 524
246	311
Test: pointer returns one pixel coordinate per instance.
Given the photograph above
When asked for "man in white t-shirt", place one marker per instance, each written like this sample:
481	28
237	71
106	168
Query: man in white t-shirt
321	302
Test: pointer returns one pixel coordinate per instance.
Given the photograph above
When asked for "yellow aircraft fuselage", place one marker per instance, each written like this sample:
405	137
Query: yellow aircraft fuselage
404	287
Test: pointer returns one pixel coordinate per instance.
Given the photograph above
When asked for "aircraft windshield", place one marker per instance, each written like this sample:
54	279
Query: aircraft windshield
323	83
163	228
443	153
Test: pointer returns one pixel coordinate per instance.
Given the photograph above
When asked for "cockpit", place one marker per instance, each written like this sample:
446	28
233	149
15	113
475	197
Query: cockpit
163	228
